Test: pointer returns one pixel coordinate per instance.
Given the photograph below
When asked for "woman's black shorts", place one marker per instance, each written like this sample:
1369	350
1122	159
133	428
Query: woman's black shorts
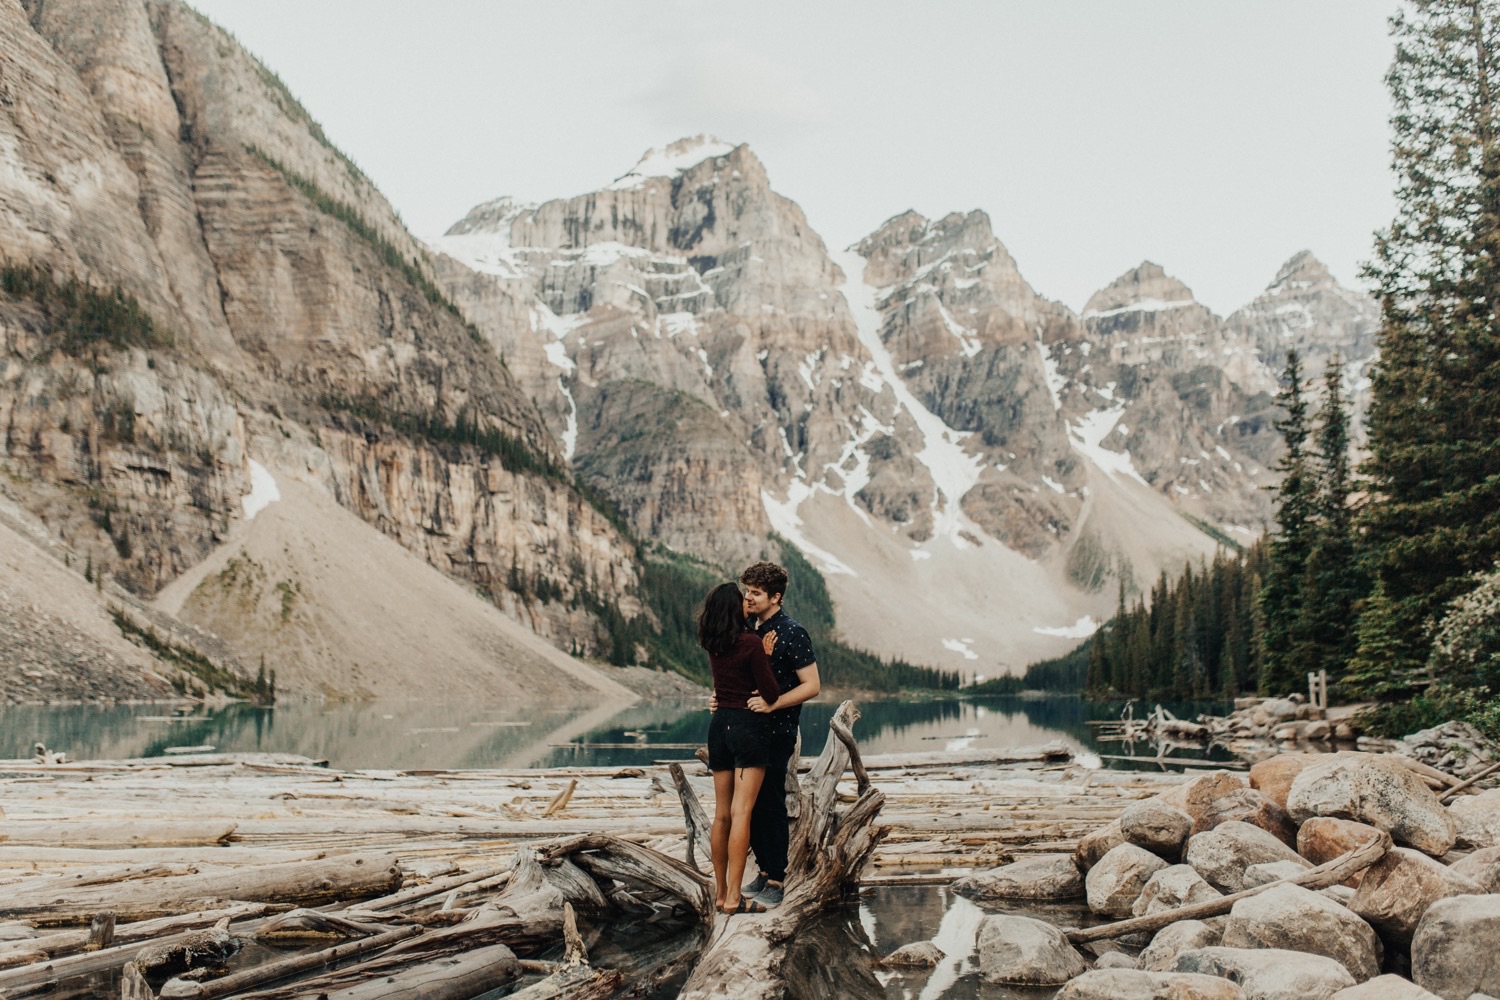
738	737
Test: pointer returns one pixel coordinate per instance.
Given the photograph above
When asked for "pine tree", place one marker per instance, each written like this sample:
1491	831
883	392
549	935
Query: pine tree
1281	601
1434	419
1334	580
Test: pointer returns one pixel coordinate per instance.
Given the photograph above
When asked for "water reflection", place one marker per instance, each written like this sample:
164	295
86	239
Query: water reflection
426	735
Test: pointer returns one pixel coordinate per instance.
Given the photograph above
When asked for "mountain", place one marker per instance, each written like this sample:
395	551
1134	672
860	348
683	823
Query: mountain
196	279
202	301
942	441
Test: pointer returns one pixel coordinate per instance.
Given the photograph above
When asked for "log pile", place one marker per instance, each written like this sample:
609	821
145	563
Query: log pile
259	876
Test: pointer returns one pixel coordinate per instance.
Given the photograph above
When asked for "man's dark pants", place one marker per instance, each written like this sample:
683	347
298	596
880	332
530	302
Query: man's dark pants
769	833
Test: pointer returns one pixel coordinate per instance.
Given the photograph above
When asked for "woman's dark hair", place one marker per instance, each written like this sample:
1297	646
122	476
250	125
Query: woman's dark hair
721	619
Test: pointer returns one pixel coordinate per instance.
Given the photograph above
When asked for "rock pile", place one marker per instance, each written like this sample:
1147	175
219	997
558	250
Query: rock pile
1456	748
1422	921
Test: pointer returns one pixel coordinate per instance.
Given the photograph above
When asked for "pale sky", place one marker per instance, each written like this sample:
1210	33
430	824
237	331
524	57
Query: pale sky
1216	138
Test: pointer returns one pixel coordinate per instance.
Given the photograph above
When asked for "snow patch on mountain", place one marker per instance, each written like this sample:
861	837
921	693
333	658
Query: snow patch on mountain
786	523
672	160
1081	629
953	470
263	491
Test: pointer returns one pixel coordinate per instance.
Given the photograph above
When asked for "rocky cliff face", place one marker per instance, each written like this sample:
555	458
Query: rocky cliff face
290	314
909	404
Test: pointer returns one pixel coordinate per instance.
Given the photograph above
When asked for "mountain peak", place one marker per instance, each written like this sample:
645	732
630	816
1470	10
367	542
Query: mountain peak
1146	283
1303	270
673	159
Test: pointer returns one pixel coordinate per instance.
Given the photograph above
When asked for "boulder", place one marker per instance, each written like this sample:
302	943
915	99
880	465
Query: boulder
1476	819
1367	788
1116	960
1156	826
1174	939
1289	732
1093	846
1270	973
1277	709
1194	796
1398	889
1024	951
1456	949
1246	805
1483	866
1117	880
1317	730
1273	776
1324	838
1298	919
1223	854
1129	984
921	955
1172	888
1387	987
1043	876
1272	871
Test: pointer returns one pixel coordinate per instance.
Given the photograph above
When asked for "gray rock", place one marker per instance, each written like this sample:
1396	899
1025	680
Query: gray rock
1224	854
1476	819
1044	876
1298	919
1157	826
1270	973
1173	888
1093	846
921	955
1398	889
1456	949
1174	939
1483	866
1370	789
1114	884
1128	984
1116	960
1024	951
1272	871
1387	987
1248	805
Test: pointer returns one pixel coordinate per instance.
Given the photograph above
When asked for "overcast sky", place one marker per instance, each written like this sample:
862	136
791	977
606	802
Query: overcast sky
1216	138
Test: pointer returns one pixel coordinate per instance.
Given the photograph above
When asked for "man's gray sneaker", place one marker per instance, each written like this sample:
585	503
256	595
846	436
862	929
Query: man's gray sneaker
755	886
770	896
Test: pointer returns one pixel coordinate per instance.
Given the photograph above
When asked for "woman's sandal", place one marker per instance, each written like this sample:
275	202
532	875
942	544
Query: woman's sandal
747	905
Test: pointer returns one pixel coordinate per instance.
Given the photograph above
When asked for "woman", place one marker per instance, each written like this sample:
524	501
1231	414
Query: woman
738	744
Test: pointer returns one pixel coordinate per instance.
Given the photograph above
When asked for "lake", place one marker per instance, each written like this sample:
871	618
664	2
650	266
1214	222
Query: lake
832	957
426	735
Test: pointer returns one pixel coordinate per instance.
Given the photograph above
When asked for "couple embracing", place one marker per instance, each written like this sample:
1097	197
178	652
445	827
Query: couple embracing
763	670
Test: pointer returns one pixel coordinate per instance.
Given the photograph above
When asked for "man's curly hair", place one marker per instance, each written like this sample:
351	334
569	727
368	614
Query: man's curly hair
767	576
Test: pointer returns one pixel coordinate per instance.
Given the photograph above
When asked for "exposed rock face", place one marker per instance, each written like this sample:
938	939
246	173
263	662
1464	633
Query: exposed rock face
145	150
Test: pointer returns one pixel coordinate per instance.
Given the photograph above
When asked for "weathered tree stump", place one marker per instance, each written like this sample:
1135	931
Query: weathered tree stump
829	848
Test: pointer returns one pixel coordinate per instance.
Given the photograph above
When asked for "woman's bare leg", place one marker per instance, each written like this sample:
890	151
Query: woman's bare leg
746	782
718	839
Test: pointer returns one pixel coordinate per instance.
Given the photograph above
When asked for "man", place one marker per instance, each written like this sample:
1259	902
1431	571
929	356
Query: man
796	670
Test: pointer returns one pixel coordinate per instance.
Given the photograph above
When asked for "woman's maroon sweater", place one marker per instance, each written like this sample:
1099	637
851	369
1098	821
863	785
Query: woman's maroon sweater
745	668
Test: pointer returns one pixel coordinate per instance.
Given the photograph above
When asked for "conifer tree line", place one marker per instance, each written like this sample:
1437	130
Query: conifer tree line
1385	575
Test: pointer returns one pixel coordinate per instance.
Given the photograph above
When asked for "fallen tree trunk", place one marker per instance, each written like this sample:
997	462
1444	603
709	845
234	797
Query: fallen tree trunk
103	833
1324	875
829	848
303	883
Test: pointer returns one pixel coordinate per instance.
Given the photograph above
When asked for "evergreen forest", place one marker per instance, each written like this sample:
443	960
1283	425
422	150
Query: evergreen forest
1383	573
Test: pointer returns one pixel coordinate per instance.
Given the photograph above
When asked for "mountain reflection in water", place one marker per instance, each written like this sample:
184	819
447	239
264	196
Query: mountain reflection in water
439	735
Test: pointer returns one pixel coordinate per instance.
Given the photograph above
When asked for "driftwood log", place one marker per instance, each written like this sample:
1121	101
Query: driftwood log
307	883
829	847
